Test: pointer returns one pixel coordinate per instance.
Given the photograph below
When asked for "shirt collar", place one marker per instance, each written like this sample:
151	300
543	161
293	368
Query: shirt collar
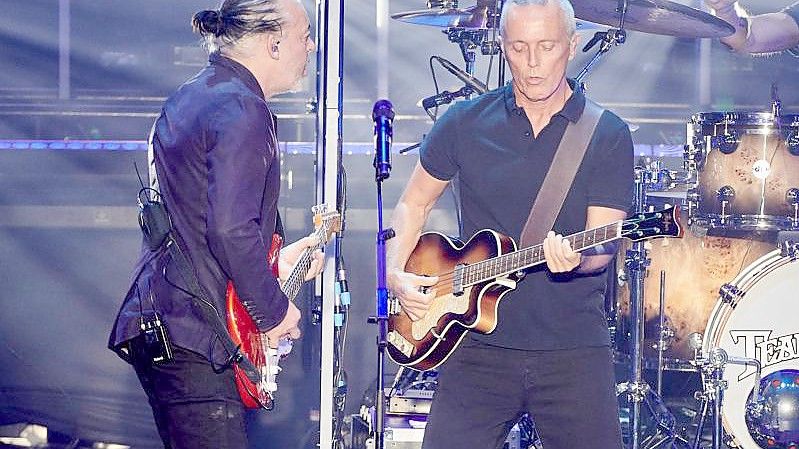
572	110
242	72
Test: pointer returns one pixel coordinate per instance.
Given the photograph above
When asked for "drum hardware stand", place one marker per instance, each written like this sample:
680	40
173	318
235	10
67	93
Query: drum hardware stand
469	40
442	4
788	242
606	40
636	262
665	334
711	366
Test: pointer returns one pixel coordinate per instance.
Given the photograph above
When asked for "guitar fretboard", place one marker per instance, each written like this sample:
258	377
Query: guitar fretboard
534	255
297	277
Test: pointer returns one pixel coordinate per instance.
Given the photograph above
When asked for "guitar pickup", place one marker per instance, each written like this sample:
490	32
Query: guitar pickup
399	342
457	282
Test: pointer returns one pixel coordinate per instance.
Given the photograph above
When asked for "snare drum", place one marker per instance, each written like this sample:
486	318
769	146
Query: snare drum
695	268
757	318
746	166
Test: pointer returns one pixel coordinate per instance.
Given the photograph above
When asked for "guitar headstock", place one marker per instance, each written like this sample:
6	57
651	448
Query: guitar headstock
648	225
326	222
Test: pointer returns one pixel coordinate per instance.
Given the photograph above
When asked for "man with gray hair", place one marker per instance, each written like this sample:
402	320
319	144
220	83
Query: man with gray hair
550	353
214	150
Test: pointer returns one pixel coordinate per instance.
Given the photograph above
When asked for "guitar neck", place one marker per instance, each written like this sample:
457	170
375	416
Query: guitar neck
534	255
294	282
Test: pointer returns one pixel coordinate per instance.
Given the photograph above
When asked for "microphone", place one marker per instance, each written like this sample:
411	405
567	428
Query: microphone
477	85
444	97
383	115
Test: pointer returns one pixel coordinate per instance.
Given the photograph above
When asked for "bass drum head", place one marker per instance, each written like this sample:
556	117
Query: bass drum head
757	320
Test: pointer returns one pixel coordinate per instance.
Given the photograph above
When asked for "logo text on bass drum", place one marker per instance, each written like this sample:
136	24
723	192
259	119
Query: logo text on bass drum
757	344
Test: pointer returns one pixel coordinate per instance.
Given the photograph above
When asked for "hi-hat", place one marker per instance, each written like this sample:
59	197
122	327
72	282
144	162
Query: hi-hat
655	17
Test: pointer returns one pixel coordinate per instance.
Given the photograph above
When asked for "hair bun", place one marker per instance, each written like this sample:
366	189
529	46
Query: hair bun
208	22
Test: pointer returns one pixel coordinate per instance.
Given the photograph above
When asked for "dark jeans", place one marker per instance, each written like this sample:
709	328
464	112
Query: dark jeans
194	407
483	390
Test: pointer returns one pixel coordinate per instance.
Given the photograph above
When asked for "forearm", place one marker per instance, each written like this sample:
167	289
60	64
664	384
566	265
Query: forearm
597	258
772	32
407	221
765	33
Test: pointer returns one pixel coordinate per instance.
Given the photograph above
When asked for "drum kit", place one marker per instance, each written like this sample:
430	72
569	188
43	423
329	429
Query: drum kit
720	301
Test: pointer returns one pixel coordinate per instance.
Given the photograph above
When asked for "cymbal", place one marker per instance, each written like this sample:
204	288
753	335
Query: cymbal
655	17
475	17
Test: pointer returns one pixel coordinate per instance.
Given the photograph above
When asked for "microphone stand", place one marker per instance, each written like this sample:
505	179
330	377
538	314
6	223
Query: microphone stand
382	172
382	317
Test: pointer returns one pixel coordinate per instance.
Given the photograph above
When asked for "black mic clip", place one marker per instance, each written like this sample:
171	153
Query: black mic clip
613	36
446	97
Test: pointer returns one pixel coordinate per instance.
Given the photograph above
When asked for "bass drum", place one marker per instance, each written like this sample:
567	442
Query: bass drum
757	318
695	268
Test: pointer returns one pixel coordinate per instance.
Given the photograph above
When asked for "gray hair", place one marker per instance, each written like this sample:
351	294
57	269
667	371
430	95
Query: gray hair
565	7
236	19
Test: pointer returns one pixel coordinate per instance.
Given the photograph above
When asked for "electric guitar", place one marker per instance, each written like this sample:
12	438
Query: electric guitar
244	332
473	278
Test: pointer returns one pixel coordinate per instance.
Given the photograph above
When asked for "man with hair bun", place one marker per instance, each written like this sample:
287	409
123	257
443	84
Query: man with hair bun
549	355
214	151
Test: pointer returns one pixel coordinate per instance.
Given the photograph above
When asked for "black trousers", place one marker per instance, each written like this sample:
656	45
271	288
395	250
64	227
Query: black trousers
483	390
193	407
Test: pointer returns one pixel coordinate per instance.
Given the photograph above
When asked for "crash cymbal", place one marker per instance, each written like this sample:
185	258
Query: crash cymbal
654	16
473	17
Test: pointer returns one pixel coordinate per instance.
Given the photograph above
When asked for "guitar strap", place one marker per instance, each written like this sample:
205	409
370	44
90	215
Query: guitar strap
558	180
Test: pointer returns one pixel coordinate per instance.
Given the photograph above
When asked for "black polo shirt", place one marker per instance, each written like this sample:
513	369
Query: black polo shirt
487	142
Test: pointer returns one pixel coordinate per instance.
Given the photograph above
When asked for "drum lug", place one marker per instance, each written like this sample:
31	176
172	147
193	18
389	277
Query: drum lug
725	195
792	198
726	143
788	247
730	293
792	142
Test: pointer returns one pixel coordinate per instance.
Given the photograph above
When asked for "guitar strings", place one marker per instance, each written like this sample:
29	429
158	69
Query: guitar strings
487	268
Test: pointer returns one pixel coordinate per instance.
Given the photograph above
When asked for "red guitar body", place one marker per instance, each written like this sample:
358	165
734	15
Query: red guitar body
244	332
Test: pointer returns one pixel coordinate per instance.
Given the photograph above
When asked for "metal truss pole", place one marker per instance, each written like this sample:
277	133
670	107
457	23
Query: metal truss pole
329	94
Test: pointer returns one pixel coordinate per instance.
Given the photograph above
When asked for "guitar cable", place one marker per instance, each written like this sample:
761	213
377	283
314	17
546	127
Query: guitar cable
341	304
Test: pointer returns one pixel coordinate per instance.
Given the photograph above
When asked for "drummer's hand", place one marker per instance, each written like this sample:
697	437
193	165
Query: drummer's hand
721	6
559	254
406	287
